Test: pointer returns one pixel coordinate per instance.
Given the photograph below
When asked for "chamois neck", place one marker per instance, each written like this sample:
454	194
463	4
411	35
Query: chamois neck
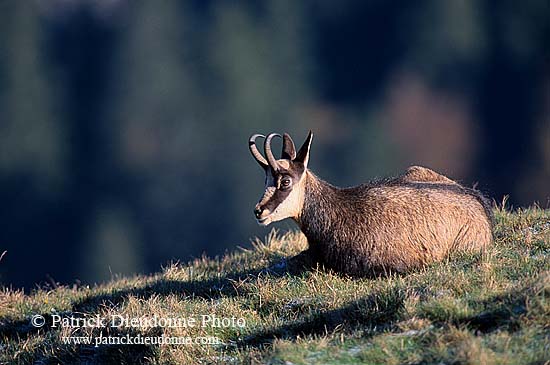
320	204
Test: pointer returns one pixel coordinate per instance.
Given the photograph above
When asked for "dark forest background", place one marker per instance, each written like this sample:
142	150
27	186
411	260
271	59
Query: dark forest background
124	125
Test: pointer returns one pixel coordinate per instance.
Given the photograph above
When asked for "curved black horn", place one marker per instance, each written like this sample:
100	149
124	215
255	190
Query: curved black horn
267	146
254	150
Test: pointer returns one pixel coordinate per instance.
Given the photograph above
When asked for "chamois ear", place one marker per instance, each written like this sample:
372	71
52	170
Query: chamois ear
289	151
303	154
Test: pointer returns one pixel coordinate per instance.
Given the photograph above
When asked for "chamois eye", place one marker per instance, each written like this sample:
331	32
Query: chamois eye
285	183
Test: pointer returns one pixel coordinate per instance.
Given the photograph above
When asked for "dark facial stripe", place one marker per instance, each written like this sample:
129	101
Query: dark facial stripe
276	199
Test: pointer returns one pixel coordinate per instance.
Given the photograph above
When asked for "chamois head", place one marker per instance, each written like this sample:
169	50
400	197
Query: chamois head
284	178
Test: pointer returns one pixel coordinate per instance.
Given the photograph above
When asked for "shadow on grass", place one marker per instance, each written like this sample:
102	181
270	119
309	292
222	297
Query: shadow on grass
376	312
381	311
502	312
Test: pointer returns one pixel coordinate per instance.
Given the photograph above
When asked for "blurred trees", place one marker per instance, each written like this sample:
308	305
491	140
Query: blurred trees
123	126
31	136
32	148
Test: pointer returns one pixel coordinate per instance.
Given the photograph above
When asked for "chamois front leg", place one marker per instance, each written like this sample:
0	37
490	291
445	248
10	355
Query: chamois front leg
304	261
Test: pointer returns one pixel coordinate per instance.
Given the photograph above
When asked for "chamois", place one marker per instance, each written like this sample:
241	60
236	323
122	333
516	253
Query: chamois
393	225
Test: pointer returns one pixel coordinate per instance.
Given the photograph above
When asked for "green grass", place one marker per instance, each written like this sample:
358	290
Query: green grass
491	308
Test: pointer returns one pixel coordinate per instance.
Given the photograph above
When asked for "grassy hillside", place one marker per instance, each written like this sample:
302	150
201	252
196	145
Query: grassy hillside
492	308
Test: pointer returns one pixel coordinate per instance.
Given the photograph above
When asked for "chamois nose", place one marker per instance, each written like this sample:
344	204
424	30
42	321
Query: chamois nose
258	212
